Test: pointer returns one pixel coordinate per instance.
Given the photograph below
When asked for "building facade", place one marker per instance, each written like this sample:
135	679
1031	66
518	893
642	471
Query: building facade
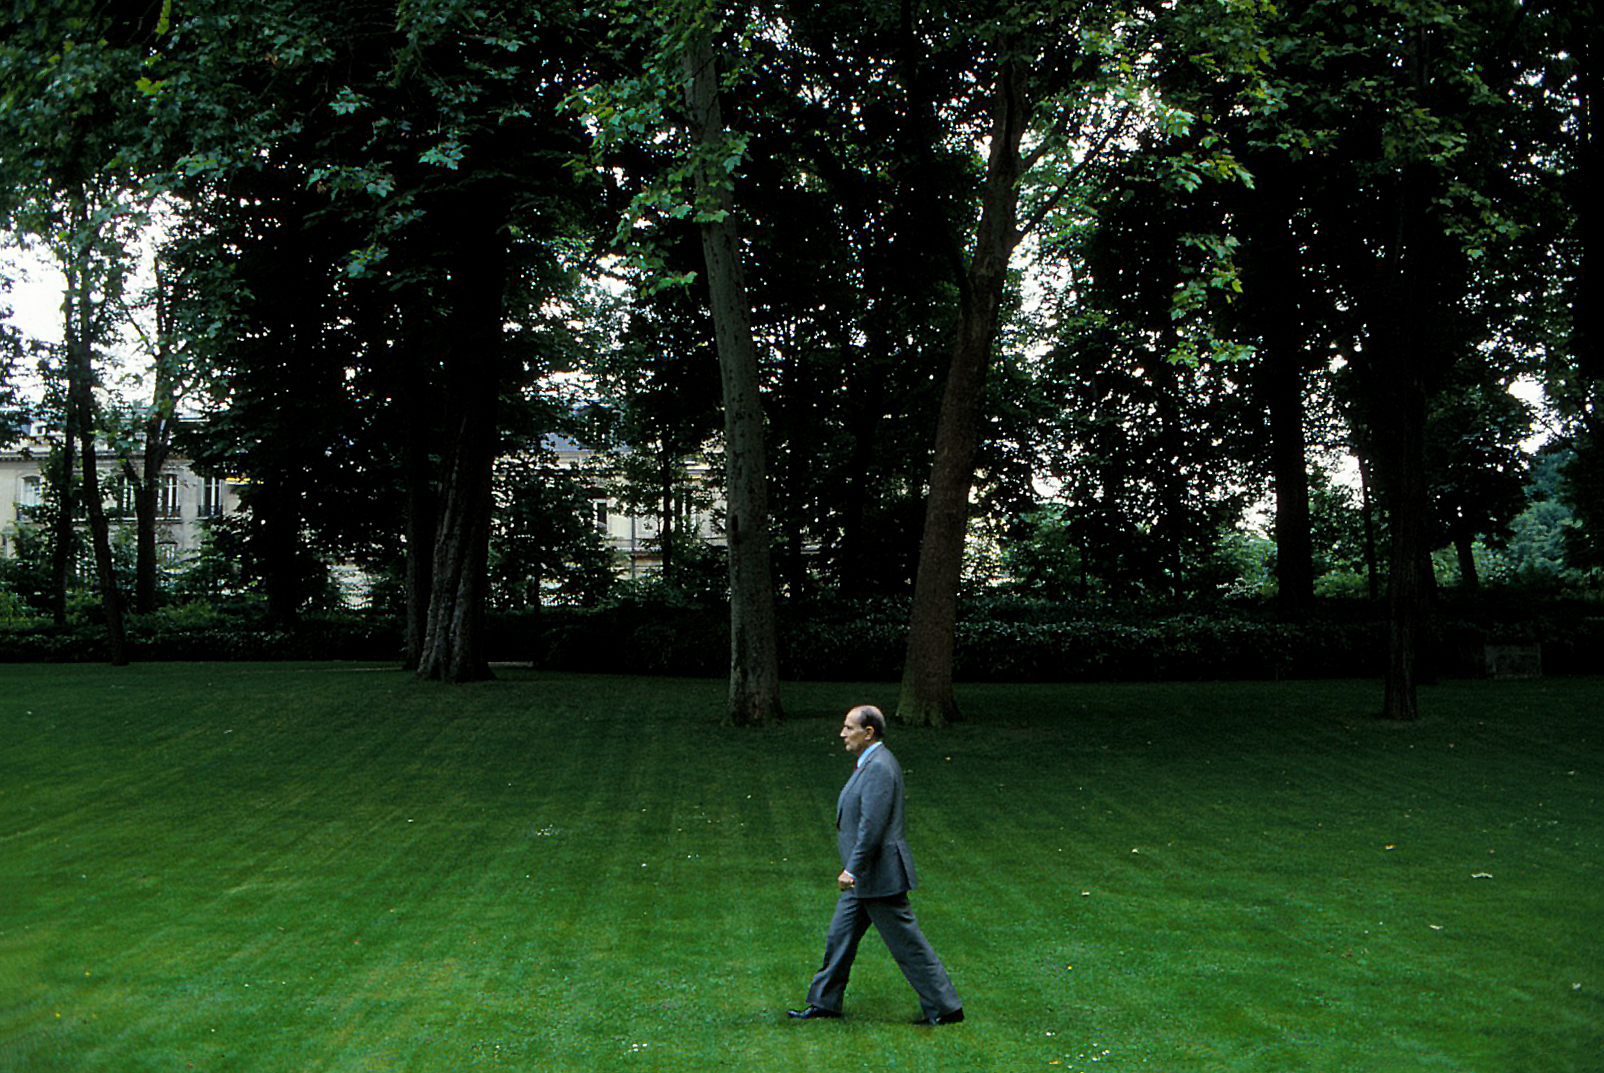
186	500
634	537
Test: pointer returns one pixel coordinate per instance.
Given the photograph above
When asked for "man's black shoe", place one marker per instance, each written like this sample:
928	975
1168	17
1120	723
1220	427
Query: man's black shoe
813	1011
943	1019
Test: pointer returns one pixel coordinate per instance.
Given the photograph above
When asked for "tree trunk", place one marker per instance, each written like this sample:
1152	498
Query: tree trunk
65	537
420	529
1294	546
754	694
453	648
1587	303
665	525
1410	345
1408	509
79	340
1367	510
927	697
1420	284
158	438
147	485
100	537
146	491
276	521
418	420
1465	551
1277	294
453	643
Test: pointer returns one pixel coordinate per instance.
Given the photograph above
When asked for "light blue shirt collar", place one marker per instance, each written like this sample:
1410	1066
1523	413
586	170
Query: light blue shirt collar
865	754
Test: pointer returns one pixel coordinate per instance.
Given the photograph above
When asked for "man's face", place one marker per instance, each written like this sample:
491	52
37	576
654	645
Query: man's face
854	735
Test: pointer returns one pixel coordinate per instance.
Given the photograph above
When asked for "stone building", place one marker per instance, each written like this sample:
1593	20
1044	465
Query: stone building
185	501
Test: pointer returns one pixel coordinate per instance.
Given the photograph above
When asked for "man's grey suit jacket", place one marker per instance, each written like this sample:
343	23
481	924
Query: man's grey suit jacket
868	822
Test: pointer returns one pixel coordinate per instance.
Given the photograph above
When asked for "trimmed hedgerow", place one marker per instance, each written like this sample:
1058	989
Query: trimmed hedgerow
997	641
157	638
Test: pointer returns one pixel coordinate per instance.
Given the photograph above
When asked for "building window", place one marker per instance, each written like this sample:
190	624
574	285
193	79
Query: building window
685	511
211	497
122	497
600	512
28	492
167	499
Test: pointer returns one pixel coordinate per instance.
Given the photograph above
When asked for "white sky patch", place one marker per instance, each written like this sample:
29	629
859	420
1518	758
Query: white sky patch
1530	391
36	290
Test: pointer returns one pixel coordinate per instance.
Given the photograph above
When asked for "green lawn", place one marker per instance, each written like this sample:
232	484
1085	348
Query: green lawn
311	867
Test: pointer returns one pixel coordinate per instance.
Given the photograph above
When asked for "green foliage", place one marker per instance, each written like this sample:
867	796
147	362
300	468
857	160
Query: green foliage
190	615
203	632
1583	492
1342	584
26	574
1536	555
544	545
13	409
1241	562
1043	558
1337	528
652	631
1473	453
13	609
1089	551
659	393
215	571
318	159
638	108
241	552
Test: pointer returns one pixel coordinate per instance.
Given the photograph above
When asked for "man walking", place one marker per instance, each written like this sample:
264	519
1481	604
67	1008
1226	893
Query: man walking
876	875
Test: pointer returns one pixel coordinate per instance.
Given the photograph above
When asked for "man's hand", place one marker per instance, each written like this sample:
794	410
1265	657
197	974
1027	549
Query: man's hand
845	881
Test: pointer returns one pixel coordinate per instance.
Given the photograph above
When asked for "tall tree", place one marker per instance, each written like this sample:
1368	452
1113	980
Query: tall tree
422	146
453	643
852	289
253	262
926	698
754	692
1394	159
1432	163
1046	77
12	412
668	79
145	454
83	328
661	385
71	115
1475	463
1574	377
1284	303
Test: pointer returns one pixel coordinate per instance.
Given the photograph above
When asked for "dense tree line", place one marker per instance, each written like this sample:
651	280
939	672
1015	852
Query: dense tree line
1078	282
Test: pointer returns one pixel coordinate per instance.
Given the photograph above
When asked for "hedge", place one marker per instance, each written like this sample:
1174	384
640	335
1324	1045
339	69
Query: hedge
314	639
866	641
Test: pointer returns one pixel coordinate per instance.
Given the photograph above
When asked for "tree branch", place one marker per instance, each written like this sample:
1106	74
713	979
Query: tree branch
1120	125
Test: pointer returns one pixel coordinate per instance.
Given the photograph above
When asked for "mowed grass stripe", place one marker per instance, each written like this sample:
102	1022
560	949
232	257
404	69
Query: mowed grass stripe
1253	887
330	867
